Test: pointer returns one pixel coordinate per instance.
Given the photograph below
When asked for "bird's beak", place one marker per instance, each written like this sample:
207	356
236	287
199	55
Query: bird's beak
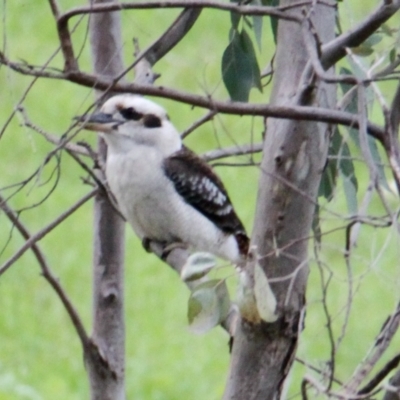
99	122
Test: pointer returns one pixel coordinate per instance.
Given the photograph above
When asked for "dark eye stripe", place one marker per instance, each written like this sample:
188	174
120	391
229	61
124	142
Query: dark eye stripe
130	113
151	121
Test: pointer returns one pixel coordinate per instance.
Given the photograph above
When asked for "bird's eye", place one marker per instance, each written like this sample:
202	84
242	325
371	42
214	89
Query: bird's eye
151	121
130	113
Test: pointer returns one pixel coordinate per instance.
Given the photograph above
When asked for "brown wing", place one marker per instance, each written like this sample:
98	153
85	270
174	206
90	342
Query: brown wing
200	187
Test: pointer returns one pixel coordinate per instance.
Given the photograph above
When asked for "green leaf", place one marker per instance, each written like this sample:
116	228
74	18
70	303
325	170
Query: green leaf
257	24
240	70
328	181
351	195
352	106
235	17
346	166
209	304
329	175
366	48
386	30
274	20
373	40
197	266
341	161
363	50
316	226
392	55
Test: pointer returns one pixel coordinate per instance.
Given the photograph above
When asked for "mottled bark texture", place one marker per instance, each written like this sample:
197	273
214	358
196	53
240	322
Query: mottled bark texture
106	370
294	156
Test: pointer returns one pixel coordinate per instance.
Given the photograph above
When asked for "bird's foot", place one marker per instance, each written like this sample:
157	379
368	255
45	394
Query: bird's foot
170	247
146	244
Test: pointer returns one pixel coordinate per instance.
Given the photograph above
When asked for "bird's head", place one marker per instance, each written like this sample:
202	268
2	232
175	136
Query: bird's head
128	120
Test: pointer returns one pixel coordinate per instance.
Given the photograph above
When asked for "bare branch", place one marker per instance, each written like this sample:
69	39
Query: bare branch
391	144
54	8
173	35
381	343
336	49
233	151
235	108
39	235
73	314
384	371
393	389
73	147
161	46
70	62
145	5
209	116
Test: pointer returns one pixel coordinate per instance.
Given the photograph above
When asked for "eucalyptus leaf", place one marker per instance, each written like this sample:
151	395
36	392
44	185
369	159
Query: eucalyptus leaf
208	305
257	24
392	55
351	195
363	50
240	70
235	17
316	225
352	106
197	266
274	20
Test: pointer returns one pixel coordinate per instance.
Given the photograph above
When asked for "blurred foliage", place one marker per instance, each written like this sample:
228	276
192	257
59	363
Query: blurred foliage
40	355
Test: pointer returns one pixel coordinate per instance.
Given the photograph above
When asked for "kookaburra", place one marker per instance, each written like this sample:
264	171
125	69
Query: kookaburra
164	190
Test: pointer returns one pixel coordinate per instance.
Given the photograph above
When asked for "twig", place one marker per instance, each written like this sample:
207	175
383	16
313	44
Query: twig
329	326
381	343
39	235
232	151
73	147
392	145
209	116
336	49
378	378
46	271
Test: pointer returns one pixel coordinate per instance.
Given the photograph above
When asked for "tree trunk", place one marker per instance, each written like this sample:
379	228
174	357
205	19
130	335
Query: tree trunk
106	371
294	156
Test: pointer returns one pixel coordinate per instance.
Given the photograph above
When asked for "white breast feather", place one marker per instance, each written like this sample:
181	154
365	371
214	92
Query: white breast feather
148	200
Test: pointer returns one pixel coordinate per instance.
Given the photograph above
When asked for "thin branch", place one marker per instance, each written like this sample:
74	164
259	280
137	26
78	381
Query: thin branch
381	343
73	147
48	275
392	145
235	108
239	150
378	378
54	8
156	50
172	36
336	49
39	235
146	5
209	116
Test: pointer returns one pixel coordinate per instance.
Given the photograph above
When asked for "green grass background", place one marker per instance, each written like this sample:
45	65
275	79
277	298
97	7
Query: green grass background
40	355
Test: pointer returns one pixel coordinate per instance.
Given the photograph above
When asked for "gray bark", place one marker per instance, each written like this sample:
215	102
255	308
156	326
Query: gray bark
294	155
106	366
394	392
